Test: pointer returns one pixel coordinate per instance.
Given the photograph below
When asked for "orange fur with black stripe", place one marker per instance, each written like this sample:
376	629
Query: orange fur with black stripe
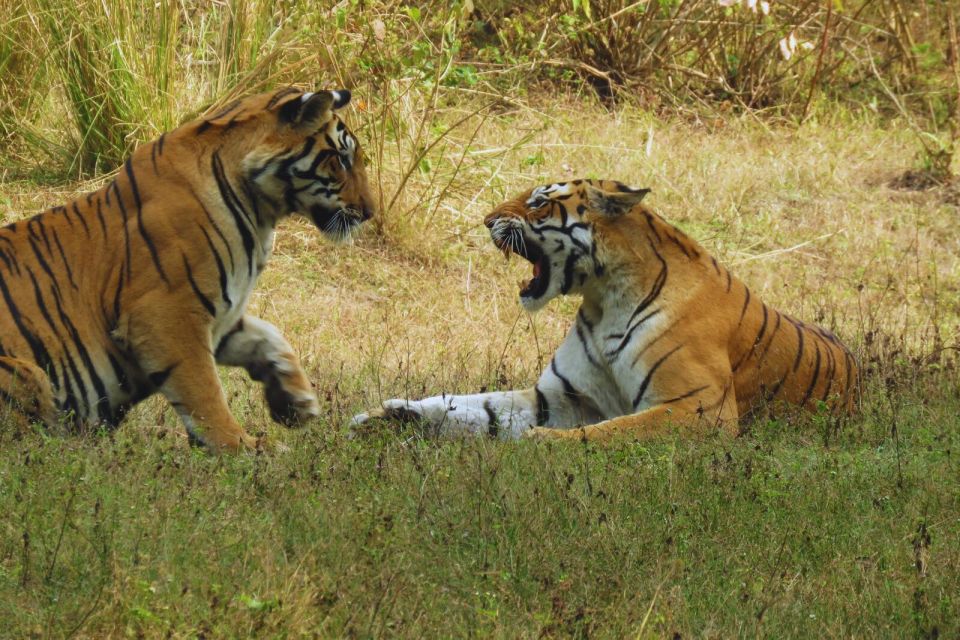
666	337
142	286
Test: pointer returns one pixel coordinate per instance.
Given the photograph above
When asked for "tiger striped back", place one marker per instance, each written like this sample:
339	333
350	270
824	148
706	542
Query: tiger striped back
770	355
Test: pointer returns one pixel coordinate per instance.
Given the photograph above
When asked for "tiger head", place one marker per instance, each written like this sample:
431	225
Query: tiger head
555	228
297	157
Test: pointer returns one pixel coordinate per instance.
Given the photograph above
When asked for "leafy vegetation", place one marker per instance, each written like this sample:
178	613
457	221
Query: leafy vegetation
124	71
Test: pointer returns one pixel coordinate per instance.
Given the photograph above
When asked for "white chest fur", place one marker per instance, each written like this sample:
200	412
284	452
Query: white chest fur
602	359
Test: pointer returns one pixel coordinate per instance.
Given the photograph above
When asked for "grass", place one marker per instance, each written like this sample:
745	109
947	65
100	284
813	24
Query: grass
771	535
800	528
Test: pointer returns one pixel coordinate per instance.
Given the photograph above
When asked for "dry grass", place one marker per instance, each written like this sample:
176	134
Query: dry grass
803	215
425	302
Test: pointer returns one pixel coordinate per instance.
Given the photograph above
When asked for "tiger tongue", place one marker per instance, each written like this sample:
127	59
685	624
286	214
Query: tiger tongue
536	270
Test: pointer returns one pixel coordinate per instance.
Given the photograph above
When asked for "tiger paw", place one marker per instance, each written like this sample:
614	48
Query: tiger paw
392	413
291	408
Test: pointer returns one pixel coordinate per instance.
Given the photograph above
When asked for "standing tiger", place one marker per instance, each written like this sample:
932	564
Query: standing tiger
142	286
666	337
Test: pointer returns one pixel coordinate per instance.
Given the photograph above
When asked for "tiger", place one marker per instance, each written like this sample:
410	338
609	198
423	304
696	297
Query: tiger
666	339
141	287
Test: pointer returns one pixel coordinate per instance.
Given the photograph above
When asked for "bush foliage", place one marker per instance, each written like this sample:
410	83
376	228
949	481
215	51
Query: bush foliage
118	72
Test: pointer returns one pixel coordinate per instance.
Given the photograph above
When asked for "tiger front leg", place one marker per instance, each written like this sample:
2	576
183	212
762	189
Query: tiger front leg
503	414
172	347
194	390
260	348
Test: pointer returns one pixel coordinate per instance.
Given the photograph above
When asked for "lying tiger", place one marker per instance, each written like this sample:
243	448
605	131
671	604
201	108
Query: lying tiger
142	286
665	338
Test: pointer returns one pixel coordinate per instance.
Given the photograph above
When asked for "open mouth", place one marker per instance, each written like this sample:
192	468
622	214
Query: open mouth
530	251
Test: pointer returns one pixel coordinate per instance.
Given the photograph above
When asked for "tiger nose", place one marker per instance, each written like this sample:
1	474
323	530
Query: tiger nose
367	212
490	220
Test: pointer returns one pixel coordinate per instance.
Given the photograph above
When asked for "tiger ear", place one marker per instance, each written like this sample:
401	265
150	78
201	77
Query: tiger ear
311	110
615	203
341	98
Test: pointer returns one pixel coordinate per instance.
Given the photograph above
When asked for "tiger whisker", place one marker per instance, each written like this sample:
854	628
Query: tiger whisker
330	224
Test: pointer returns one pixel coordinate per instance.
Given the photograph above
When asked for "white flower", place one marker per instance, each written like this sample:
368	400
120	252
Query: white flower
765	7
788	46
727	3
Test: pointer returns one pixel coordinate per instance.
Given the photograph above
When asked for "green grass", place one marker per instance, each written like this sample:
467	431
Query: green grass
776	534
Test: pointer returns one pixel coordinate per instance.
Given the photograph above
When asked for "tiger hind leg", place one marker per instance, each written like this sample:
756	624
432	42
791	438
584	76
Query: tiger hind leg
714	412
260	348
25	393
